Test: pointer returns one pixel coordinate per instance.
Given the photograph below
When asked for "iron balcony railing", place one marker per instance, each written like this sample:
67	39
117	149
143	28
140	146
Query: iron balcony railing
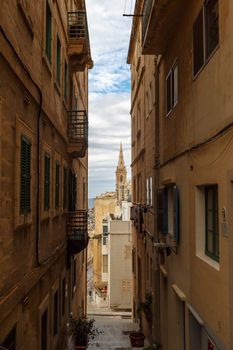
77	231
77	25
146	16
77	127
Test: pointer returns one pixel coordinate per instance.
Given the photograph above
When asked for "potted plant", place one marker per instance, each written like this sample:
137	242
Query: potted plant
137	339
146	306
82	331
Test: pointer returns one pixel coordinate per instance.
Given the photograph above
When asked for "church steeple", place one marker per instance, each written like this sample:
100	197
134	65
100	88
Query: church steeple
121	178
121	162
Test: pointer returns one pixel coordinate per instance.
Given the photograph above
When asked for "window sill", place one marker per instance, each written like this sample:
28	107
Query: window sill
209	261
47	63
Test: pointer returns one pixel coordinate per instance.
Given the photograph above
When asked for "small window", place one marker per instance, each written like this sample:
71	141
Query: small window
63	297
48	44
25	176
205	34
168	212
172	88
55	314
65	187
44	331
105	263
46	182
57	184
65	81
212	229
58	62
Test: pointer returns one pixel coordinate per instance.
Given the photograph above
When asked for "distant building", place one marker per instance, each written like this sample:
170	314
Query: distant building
122	190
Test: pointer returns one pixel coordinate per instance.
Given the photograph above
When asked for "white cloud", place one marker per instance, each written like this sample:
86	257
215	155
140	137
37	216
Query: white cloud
109	98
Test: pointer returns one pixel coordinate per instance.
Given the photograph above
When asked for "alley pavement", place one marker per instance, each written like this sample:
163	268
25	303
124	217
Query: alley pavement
116	327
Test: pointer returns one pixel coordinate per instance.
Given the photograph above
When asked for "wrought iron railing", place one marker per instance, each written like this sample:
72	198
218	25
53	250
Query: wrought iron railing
76	224
78	127
77	231
146	15
77	25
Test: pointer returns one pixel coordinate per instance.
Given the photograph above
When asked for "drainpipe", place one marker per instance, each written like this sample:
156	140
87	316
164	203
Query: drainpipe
157	182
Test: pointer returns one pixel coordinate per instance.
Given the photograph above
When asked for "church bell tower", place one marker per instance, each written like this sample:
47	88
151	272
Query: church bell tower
121	178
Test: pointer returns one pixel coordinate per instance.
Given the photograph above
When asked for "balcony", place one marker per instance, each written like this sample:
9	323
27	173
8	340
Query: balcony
77	133
77	232
78	41
137	217
160	18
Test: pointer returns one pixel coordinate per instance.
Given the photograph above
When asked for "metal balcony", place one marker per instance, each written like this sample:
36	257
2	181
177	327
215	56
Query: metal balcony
159	21
77	232
77	133
78	41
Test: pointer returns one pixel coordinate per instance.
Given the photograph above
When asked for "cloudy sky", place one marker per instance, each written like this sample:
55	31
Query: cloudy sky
109	91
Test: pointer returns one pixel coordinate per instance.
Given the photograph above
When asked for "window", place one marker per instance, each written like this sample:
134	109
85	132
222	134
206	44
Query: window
25	176
149	191
65	81
168	213
58	61
63	298
48	42
65	187
205	34
10	341
172	88
44	331
211	222
55	314
46	182
57	184
105	234
105	263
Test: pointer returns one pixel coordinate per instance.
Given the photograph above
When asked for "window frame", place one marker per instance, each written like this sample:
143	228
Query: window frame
206	57
173	83
58	61
215	222
57	185
25	178
48	31
47	185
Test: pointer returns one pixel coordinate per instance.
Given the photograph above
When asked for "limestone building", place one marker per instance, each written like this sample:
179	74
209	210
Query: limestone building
185	49
44	61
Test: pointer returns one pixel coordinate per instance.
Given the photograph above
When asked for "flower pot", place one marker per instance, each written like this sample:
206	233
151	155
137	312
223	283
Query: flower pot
137	339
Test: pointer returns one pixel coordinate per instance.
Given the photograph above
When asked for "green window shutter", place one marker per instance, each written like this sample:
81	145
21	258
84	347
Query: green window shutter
46	182
48	47
58	61
65	81
57	184
65	182
25	176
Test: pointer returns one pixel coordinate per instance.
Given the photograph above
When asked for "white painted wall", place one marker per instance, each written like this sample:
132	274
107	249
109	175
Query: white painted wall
120	265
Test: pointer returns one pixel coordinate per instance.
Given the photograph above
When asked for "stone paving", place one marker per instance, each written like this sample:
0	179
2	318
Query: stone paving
116	330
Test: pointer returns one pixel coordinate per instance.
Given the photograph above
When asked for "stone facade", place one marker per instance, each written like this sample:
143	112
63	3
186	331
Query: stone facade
40	282
191	119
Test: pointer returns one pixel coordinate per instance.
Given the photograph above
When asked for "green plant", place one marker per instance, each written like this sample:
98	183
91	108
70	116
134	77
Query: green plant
146	307
83	330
